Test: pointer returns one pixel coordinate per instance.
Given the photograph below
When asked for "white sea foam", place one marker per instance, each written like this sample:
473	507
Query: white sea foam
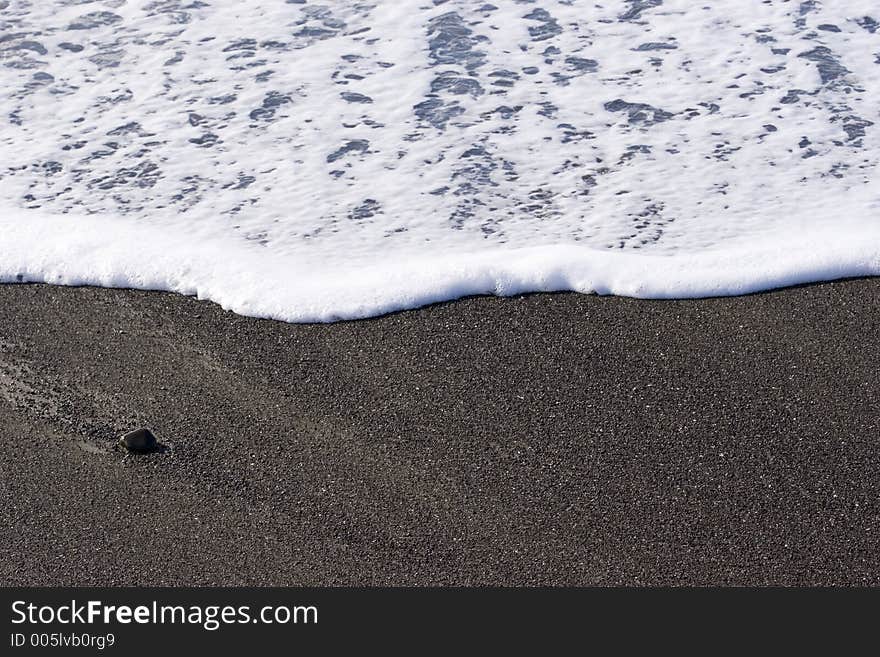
314	161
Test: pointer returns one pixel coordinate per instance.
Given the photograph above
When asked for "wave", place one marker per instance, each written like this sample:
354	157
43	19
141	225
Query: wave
319	161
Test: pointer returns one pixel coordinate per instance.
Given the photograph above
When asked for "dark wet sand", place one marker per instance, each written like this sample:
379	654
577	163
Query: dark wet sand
551	439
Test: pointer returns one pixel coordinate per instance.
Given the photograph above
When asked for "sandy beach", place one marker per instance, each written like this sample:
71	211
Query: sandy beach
551	439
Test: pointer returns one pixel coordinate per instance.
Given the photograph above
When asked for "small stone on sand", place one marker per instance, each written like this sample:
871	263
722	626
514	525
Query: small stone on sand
139	440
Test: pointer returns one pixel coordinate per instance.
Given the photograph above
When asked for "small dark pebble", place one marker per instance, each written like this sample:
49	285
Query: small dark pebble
139	440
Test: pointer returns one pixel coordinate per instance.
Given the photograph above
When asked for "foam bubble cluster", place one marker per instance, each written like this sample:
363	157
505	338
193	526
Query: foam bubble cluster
312	161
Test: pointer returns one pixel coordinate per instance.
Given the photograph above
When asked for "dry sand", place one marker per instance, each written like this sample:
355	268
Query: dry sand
549	439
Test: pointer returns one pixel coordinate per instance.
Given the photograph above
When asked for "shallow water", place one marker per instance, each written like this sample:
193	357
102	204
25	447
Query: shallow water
316	161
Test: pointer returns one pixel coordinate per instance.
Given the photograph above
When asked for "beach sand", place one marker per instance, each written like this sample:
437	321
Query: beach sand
555	439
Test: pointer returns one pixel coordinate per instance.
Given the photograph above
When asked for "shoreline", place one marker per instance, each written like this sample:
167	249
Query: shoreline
549	439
